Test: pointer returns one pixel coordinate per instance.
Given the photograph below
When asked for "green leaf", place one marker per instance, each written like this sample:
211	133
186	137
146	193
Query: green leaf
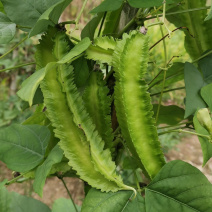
121	201
38	99
179	187
170	115
64	205
149	3
205	65
130	163
193	83
14	202
55	156
49	18
205	144
26	13
81	72
112	22
77	50
7	29
206	95
174	74
90	28
2	8
30	85
2	184
108	5
209	16
23	147
5	200
200	41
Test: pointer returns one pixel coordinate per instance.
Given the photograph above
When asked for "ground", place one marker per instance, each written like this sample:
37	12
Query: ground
188	150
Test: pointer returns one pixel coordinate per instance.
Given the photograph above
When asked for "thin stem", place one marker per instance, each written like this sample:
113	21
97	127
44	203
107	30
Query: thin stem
75	39
67	22
137	181
129	24
166	91
14	47
165	65
64	183
185	131
154	24
177	125
23	27
205	55
18	66
180	12
77	57
80	13
102	23
15	179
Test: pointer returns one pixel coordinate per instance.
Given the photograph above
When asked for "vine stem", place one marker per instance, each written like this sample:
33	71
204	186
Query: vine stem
14	47
80	13
102	23
15	179
185	131
184	123
166	91
18	66
69	194
179	12
165	64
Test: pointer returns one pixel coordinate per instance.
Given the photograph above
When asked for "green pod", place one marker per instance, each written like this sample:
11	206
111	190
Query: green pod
101	158
97	103
72	139
133	103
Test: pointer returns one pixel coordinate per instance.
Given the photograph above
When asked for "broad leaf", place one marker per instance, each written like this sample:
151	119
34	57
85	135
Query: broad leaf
205	65
81	72
23	147
193	82
112	22
38	99
170	115
149	3
5	200
7	29
108	5
50	17
2	8
205	144
2	184
30	85
26	13
55	156
200	41
64	205
77	50
173	75
122	201
206	92
179	187
90	28
14	202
